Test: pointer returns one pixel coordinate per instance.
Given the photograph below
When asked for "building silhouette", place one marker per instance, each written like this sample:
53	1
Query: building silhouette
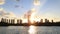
52	21
2	20
48	21
41	21
45	20
18	21
9	21
12	21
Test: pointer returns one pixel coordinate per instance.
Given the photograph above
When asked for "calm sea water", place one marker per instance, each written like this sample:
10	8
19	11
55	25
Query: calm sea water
30	30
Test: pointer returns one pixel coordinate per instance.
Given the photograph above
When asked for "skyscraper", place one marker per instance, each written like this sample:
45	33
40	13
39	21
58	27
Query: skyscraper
12	21
45	20
52	21
41	20
48	21
18	21
2	20
9	21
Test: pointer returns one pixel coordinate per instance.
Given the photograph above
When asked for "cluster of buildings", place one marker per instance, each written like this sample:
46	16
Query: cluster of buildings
19	21
13	21
46	21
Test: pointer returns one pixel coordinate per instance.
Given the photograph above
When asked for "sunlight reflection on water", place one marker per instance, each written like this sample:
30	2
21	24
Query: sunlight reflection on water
32	29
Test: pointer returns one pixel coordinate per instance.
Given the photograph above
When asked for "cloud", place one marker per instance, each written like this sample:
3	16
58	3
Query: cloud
2	12
11	14
17	0
2	2
1	9
33	9
5	14
36	2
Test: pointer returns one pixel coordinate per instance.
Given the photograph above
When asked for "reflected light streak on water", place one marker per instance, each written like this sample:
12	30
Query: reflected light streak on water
32	30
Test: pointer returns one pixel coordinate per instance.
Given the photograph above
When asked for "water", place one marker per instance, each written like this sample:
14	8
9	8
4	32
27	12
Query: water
30	30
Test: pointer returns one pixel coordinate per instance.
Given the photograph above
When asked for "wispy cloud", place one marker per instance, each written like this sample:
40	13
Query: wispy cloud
36	2
5	14
2	2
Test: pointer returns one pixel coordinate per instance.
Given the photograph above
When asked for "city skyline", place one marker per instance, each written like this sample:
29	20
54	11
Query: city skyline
15	21
19	22
47	9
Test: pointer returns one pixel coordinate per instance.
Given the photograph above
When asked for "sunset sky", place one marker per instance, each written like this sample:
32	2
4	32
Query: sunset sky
49	9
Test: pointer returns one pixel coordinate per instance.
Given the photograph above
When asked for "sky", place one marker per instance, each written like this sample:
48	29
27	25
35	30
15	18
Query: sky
49	9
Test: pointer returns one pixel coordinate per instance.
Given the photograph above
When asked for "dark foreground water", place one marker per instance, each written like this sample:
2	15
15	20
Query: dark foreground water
30	30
